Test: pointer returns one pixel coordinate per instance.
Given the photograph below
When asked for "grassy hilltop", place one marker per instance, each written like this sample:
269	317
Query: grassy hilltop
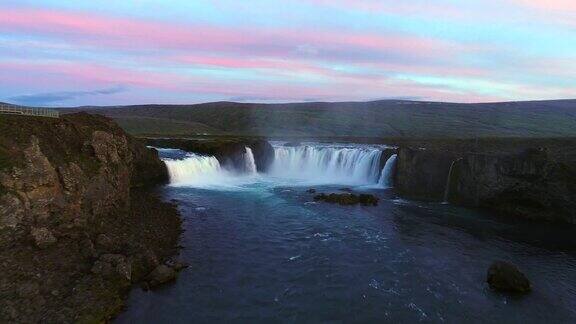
388	118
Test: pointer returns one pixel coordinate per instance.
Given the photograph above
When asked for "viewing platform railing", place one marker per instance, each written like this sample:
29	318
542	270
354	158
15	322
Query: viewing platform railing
29	111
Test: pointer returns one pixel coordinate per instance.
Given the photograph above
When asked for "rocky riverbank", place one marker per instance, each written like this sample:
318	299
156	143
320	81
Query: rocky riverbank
79	219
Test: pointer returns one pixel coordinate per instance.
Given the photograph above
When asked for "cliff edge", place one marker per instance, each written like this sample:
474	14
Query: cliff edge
79	221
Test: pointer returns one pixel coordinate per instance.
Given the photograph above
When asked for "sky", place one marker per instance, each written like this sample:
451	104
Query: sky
111	52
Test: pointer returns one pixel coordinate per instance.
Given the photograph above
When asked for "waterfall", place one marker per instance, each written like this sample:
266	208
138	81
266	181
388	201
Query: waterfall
327	164
387	176
250	161
193	169
447	189
316	164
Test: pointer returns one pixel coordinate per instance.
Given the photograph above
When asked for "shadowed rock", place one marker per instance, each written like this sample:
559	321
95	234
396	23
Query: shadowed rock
505	277
348	199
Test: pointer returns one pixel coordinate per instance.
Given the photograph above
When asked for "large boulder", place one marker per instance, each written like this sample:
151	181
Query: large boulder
505	277
161	275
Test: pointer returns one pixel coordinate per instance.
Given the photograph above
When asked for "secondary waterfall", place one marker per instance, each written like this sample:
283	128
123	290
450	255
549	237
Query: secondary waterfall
250	161
387	176
327	164
448	181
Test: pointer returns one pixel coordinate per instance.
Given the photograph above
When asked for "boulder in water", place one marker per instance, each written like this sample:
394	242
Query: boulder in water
164	273
505	277
368	200
348	199
161	275
311	190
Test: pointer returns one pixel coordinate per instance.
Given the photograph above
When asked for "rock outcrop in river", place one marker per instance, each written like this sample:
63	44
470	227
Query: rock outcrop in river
78	224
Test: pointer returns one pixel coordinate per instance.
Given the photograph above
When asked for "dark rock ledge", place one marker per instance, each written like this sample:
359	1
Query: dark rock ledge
530	183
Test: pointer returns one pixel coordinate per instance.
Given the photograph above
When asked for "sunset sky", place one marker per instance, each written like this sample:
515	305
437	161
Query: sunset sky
107	52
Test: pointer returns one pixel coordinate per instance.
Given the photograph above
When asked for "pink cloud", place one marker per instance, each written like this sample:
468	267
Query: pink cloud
346	64
130	34
430	8
65	76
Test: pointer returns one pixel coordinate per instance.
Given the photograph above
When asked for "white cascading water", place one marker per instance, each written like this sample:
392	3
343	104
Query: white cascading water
193	169
387	176
250	161
205	171
327	165
305	164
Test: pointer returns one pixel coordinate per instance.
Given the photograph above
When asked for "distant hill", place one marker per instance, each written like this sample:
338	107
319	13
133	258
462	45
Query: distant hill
387	118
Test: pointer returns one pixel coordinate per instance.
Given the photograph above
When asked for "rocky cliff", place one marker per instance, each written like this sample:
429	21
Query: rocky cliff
422	173
78	223
530	183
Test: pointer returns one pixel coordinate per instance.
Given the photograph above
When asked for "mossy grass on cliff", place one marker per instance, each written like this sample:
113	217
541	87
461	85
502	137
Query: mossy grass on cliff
5	160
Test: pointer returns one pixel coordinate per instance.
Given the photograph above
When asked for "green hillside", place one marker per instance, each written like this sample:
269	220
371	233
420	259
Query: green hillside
389	118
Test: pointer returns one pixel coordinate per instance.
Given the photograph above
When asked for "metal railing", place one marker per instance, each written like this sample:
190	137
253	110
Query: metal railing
29	111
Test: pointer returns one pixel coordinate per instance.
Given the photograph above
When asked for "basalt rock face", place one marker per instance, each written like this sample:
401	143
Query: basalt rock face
386	154
76	225
530	185
229	152
422	174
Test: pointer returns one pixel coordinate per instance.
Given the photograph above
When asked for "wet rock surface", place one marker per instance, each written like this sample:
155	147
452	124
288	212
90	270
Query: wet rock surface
348	199
505	277
163	274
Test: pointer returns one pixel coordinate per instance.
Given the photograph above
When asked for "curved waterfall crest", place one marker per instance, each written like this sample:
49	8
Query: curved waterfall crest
316	164
328	164
387	176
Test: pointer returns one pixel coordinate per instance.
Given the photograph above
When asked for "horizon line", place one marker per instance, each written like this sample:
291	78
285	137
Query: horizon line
293	103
